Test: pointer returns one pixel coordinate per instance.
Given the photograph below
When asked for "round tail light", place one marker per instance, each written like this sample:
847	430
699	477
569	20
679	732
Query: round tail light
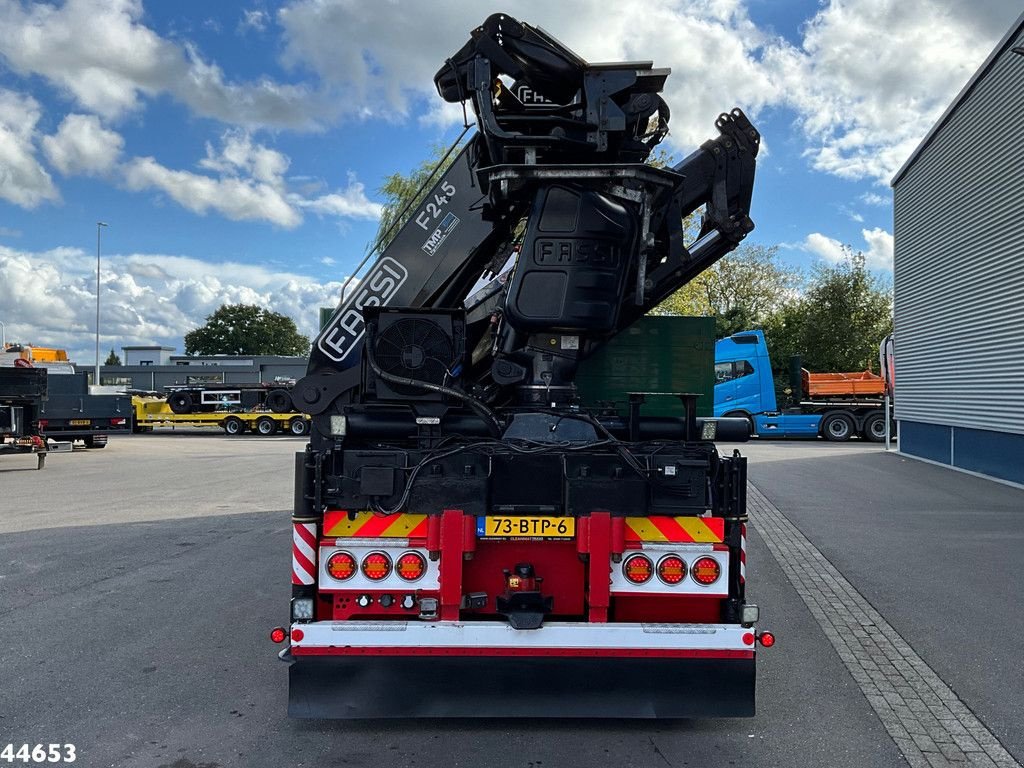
278	634
671	569
411	566
706	571
767	639
376	566
638	569
341	566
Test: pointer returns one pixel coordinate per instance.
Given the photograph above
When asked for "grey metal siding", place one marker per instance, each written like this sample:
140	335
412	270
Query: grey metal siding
959	263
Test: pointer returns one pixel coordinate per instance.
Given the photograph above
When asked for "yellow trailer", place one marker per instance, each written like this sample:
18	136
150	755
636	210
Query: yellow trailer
153	412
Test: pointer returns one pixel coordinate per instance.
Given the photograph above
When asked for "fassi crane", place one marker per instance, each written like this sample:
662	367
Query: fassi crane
457	509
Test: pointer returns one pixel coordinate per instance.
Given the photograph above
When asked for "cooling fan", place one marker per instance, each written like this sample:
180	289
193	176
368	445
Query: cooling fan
414	344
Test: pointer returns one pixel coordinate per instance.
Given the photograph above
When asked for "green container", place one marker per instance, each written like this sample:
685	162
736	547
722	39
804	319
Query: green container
655	354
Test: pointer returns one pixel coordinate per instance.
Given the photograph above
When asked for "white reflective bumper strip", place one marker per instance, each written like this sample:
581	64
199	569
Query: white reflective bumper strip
497	634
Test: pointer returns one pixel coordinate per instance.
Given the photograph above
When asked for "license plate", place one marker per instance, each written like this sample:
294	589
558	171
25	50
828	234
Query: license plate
526	527
81	422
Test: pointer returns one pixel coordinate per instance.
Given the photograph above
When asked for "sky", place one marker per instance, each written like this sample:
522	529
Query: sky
236	149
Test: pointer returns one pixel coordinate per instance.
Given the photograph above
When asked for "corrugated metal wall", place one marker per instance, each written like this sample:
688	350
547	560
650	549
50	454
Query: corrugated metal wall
959	263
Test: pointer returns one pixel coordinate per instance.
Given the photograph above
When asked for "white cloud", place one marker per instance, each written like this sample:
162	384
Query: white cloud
238	199
23	181
872	76
101	54
250	185
382	62
83	145
48	298
872	198
254	19
877	248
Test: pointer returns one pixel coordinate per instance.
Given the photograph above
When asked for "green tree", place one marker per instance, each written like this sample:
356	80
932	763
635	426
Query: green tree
112	359
742	290
403	193
838	322
246	329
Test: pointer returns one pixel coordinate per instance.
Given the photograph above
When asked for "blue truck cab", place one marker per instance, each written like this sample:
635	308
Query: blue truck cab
745	386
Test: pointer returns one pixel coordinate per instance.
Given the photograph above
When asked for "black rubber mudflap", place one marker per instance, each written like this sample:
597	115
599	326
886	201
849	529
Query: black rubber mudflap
420	687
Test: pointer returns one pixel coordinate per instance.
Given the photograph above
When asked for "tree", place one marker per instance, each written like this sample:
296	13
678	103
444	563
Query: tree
742	290
112	359
839	321
246	329
403	193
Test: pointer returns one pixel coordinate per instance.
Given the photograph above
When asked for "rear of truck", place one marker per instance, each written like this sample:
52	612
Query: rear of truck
470	537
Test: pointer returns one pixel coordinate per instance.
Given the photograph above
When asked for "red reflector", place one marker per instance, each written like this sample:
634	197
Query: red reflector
767	639
638	569
341	566
297	635
748	638
277	634
376	566
411	566
671	569
706	571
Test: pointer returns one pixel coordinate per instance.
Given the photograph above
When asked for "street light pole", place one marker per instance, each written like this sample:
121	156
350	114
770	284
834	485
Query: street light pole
99	228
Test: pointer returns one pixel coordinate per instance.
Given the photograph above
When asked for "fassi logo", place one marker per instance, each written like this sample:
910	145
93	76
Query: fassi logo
346	328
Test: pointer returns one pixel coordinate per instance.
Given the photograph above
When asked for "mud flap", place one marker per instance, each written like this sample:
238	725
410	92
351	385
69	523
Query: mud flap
416	687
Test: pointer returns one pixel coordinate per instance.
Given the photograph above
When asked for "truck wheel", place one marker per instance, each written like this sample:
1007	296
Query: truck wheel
837	427
233	425
298	426
874	428
179	402
280	401
266	425
95	441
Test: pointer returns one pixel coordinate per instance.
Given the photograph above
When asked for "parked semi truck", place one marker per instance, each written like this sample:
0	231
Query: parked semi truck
836	406
470	538
70	412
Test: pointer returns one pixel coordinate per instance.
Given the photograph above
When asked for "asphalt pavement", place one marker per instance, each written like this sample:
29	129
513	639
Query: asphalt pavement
138	585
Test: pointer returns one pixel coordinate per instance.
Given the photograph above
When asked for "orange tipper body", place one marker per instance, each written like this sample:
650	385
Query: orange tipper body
825	385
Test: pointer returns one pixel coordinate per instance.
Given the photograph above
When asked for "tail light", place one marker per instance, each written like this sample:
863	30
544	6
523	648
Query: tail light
411	566
706	571
116	422
767	639
671	569
341	566
43	424
376	566
638	569
278	634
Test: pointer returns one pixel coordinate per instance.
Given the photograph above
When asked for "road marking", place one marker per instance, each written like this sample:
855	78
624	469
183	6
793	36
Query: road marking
931	726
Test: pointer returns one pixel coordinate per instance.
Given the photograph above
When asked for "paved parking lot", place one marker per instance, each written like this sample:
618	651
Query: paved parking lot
138	583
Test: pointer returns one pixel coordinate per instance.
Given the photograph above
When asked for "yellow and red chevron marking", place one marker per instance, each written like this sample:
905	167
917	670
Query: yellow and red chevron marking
367	525
703	530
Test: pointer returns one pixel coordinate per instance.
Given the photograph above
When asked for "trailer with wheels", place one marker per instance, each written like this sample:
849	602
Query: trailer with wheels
151	411
211	398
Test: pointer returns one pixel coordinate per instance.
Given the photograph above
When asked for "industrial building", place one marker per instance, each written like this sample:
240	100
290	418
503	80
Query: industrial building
959	277
153	368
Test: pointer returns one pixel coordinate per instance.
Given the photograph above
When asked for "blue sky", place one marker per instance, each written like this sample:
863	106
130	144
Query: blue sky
236	148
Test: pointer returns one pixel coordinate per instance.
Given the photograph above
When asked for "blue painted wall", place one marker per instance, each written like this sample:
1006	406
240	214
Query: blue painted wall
997	454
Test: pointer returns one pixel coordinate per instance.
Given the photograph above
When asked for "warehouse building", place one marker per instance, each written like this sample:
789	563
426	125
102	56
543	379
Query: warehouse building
958	277
153	368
